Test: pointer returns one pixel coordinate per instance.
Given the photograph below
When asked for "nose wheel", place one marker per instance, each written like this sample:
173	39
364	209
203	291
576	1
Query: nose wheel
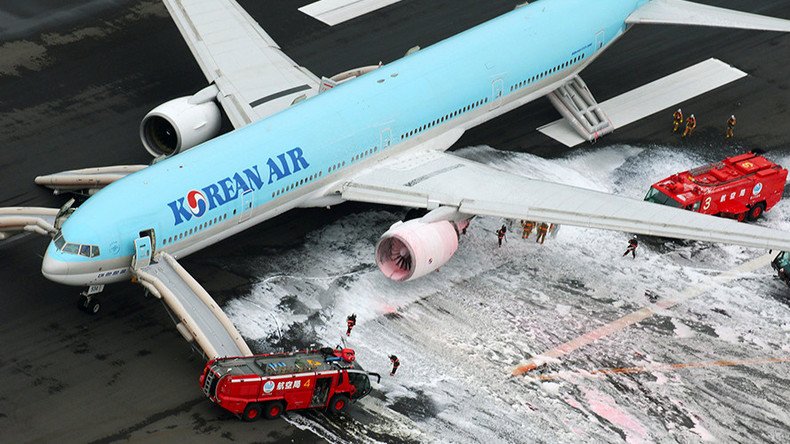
89	301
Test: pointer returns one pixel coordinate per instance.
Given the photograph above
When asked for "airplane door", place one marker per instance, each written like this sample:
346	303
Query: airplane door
497	91
247	200
599	40
142	253
386	138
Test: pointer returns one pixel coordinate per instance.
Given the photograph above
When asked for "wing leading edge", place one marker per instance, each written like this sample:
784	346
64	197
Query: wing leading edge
433	179
680	12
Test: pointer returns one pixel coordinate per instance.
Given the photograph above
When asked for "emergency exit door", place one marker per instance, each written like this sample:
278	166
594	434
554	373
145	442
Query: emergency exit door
247	200
142	253
599	40
386	138
497	91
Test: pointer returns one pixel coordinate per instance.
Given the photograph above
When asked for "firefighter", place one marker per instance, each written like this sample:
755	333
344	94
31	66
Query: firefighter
528	226
691	125
633	244
553	230
395	364
543	228
501	234
351	321
677	120
730	127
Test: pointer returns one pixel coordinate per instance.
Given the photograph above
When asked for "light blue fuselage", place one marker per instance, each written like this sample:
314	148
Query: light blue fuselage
301	154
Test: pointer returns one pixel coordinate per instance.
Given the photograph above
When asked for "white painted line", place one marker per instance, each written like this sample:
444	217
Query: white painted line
639	316
333	12
653	97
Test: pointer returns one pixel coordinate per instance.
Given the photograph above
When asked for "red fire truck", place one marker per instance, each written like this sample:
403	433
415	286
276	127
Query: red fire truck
739	187
273	383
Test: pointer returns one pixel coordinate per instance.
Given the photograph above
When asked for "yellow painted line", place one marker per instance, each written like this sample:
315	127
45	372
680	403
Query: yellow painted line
640	315
661	368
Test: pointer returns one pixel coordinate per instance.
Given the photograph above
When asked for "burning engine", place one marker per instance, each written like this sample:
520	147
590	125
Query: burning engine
180	124
412	249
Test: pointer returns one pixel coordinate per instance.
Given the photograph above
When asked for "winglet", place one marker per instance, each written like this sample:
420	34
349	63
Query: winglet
680	12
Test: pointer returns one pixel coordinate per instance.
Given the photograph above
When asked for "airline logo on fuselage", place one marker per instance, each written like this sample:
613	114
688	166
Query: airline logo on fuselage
199	202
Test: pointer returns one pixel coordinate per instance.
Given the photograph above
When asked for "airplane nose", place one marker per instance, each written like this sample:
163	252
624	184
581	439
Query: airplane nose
54	269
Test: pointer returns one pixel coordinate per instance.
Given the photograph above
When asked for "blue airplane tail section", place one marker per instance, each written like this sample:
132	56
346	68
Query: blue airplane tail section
680	12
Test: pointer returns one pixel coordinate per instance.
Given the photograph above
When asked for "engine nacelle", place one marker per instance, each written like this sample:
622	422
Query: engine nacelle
179	125
412	249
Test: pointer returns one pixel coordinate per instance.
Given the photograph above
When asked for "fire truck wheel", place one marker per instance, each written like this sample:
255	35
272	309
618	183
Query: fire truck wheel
274	409
756	211
338	404
252	412
740	217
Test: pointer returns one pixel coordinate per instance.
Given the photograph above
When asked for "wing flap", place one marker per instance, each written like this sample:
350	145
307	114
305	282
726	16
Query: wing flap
680	12
433	179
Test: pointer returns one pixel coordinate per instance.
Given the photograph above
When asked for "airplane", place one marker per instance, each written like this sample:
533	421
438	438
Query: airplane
377	134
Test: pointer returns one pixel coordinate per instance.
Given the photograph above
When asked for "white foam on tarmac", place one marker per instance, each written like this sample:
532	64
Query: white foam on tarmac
460	331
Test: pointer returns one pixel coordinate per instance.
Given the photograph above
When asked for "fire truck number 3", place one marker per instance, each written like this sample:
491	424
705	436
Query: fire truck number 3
707	204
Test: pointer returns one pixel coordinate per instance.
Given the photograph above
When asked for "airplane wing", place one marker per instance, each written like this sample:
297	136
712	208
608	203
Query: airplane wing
255	78
679	12
431	179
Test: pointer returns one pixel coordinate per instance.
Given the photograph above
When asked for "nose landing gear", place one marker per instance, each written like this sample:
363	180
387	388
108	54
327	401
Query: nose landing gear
89	300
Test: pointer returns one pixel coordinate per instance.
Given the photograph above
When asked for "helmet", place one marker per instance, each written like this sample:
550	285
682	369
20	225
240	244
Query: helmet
692	116
732	116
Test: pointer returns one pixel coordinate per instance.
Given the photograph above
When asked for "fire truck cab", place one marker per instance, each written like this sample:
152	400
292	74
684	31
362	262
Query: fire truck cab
739	187
270	384
781	264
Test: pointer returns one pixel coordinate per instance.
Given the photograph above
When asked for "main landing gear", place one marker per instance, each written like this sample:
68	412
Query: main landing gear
89	299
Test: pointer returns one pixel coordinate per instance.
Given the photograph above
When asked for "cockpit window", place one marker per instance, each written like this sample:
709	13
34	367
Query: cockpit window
59	241
70	248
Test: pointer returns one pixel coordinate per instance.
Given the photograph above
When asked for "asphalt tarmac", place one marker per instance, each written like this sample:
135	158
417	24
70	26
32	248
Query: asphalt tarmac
75	83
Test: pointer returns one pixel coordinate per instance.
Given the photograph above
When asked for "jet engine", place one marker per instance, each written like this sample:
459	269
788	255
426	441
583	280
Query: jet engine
412	249
180	124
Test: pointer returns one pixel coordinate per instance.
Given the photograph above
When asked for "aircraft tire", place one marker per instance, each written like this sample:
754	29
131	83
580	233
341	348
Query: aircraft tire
93	307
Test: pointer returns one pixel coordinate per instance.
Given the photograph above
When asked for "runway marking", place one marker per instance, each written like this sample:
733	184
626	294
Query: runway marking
333	12
639	315
660	368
